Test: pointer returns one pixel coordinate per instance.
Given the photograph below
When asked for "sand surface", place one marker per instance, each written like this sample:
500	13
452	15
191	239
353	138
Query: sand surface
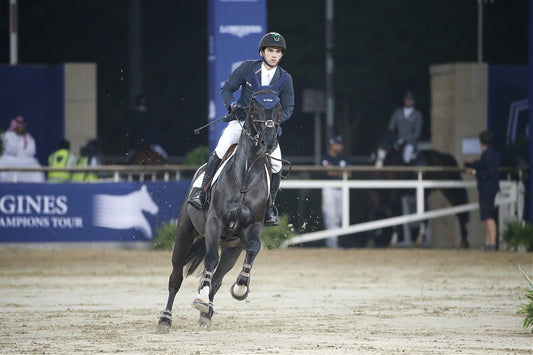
302	301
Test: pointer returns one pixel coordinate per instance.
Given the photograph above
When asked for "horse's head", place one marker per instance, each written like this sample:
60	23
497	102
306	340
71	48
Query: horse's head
263	120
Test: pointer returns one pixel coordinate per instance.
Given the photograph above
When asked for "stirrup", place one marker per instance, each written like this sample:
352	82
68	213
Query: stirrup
198	198
271	216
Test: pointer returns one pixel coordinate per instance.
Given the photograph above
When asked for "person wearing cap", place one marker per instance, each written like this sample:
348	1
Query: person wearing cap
19	151
406	126
250	76
487	173
332	196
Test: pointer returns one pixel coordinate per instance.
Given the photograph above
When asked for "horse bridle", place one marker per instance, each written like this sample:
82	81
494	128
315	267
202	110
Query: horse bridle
268	123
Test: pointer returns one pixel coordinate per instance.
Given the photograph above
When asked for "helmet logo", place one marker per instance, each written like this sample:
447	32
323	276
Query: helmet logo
275	36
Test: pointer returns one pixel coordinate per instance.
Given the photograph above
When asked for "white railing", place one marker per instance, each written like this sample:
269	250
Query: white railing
510	198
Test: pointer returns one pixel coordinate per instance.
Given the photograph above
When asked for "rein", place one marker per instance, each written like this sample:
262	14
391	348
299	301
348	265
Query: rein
256	138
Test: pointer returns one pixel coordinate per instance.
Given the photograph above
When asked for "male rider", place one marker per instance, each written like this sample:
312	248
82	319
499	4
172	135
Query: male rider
268	74
406	124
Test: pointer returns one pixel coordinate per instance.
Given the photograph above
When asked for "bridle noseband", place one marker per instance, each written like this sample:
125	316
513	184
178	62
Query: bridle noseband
268	123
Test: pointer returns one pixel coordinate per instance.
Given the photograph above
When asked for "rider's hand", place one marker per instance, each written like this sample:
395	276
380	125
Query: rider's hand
238	111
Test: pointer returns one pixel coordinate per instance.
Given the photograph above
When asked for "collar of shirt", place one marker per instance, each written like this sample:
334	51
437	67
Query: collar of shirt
266	74
407	111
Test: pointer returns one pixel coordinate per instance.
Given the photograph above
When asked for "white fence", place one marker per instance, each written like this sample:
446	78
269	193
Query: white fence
510	199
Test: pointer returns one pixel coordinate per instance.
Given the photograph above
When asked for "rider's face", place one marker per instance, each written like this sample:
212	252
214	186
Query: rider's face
272	55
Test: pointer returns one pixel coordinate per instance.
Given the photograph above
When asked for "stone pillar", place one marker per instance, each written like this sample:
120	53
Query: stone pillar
458	114
80	104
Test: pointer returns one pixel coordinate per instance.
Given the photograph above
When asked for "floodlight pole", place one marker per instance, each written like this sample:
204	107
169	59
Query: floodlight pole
13	32
330	101
135	59
480	31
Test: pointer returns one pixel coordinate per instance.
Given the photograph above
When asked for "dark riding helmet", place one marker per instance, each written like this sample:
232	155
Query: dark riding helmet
273	39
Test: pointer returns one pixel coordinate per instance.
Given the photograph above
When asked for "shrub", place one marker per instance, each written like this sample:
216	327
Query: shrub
519	234
273	237
197	156
165	236
527	309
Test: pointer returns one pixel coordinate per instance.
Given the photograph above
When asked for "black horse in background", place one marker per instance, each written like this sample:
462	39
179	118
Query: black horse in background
387	203
233	218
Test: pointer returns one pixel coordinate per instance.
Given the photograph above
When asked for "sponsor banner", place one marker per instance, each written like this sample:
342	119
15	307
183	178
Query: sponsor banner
73	212
235	28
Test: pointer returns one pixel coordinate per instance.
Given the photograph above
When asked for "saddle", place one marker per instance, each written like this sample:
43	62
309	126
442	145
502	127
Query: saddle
229	153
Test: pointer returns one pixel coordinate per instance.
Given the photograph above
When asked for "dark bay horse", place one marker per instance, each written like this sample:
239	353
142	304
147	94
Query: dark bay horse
389	155
233	218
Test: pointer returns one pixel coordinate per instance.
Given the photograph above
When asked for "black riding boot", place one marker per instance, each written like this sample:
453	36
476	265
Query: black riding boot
198	195
271	213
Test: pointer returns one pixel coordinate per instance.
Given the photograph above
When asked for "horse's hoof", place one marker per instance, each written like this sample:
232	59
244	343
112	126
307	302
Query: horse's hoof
165	321
201	305
162	328
239	292
204	322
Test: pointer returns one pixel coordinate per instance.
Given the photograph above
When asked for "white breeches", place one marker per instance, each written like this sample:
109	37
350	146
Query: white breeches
332	211
408	150
231	135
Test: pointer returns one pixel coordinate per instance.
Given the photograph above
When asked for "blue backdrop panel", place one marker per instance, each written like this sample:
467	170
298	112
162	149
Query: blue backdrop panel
507	102
235	28
87	212
37	93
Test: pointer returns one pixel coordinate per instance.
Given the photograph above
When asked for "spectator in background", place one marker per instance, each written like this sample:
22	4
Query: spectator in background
486	171
19	151
89	157
332	197
142	129
406	126
61	158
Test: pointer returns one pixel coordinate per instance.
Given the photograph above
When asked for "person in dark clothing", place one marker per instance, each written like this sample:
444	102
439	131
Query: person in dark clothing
486	171
140	128
332	196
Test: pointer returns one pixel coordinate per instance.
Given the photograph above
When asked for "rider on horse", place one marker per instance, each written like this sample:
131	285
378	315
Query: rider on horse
249	77
406	126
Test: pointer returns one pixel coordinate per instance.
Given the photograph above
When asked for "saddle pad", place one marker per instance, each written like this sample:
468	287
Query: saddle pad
198	182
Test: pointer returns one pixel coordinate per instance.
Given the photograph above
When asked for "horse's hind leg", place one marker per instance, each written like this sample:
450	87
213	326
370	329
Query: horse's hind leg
240	288
184	239
228	257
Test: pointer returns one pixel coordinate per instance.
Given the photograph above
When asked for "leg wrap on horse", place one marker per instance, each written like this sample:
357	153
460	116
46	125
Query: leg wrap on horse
199	196
271	213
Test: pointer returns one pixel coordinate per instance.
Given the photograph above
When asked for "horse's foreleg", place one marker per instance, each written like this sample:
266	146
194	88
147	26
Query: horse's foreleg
228	258
202	302
240	288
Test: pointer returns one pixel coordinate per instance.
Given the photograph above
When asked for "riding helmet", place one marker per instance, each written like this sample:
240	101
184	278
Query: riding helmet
272	39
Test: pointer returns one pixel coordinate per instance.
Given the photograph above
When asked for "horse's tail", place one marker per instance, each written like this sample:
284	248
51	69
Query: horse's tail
195	256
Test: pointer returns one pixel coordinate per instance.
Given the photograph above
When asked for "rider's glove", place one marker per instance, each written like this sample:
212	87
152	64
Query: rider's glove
236	112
